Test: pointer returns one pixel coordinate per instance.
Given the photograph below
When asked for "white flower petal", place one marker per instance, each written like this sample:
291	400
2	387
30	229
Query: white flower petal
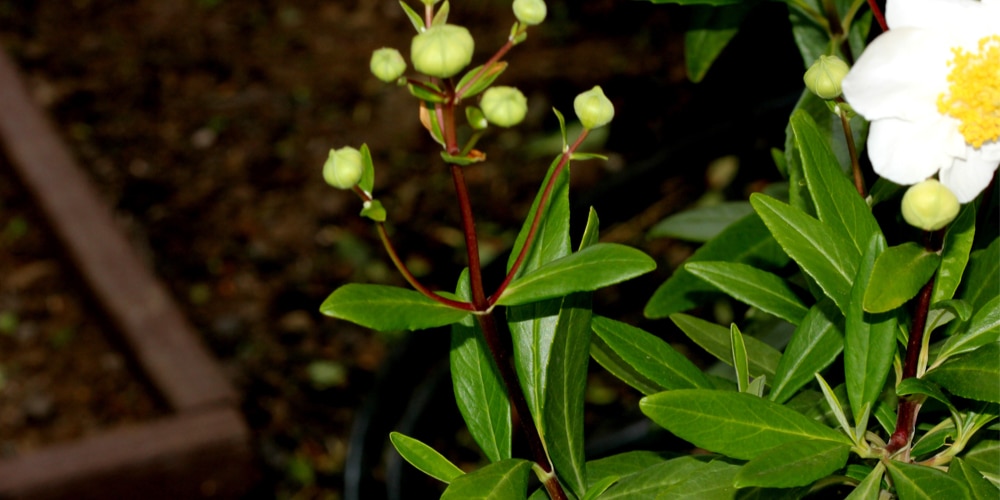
907	152
967	178
948	15
900	75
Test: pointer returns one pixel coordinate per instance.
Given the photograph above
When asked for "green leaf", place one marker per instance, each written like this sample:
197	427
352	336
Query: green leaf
981	283
980	488
367	182
427	92
593	267
701	224
955	253
797	463
869	339
425	458
914	385
733	423
829	260
373	210
655	478
917	482
815	344
483	82
479	389
714	481
711	30
812	39
441	16
551	239
975	375
599	487
566	383
869	488
984	328
836	199
388	308
716	340
416	19
739	357
501	480
985	457
747	241
622	465
899	274
648	356
760	289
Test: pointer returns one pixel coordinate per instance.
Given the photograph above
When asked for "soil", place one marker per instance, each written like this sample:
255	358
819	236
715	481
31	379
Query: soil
204	124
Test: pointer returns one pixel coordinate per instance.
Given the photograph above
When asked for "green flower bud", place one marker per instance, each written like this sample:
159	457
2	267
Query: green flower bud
387	64
476	118
530	12
504	106
824	76
343	168
442	50
593	108
929	205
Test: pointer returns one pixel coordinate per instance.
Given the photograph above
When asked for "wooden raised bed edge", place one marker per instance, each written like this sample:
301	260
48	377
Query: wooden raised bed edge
205	443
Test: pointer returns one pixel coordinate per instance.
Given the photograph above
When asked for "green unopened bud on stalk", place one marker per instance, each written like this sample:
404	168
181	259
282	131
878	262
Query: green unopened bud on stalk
504	106
929	205
442	50
824	76
343	168
387	64
530	12
593	108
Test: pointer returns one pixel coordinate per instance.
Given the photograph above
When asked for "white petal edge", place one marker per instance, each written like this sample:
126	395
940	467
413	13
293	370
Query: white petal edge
900	75
907	152
969	177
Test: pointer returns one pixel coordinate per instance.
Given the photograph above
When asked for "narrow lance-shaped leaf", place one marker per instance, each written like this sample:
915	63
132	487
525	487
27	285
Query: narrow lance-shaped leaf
763	359
797	463
649	356
831	261
388	308
425	458
975	375
747	241
479	390
955	253
917	482
593	267
551	239
899	274
733	423
836	199
711	30
870	486
701	224
714	481
869	339
499	480
761	289
983	328
739	356
816	343
979	487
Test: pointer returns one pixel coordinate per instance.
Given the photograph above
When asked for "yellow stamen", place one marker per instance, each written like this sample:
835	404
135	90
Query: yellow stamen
973	95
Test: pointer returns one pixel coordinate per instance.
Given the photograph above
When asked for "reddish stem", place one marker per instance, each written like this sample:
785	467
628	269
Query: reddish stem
878	15
535	222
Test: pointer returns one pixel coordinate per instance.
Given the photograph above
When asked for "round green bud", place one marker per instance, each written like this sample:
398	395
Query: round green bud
593	108
504	106
387	64
442	50
530	12
824	76
929	205
343	168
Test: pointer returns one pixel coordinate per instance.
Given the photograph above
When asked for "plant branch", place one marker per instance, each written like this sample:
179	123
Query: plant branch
502	51
539	210
500	348
878	15
845	122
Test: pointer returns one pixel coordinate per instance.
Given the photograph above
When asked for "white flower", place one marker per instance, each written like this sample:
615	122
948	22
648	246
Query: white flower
931	88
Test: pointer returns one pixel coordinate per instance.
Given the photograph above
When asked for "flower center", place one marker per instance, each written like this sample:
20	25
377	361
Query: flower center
973	96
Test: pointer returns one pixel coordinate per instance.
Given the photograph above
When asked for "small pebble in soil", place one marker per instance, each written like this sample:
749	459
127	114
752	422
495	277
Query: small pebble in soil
38	406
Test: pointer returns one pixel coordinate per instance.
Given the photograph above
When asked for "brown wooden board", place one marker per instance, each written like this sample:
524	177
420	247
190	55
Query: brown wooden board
200	450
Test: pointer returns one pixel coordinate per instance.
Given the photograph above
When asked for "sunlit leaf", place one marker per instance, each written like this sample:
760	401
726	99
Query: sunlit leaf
816	343
763	359
425	458
761	289
797	463
974	375
497	481
387	308
917	482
